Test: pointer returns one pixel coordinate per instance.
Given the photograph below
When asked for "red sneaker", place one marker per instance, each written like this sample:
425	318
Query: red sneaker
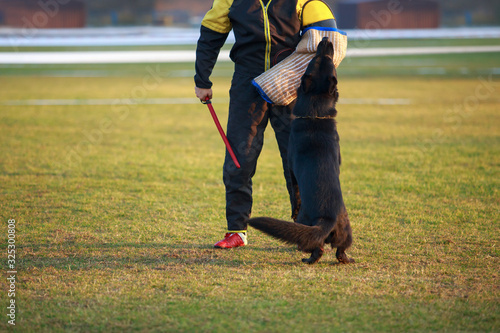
232	239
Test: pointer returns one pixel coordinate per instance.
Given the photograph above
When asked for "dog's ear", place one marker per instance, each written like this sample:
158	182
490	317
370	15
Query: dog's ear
307	83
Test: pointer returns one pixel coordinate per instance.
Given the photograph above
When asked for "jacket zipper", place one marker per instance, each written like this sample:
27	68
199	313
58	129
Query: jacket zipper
267	33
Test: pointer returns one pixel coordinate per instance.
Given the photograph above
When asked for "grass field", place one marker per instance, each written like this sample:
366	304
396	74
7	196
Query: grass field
117	206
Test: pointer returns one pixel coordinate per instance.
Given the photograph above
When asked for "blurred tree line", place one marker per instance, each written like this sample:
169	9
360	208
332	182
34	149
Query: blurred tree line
120	12
146	12
470	12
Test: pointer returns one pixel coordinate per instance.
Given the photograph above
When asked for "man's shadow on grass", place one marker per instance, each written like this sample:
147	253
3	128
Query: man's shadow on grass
155	256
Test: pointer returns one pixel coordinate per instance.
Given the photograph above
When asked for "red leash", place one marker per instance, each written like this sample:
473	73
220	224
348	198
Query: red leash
208	102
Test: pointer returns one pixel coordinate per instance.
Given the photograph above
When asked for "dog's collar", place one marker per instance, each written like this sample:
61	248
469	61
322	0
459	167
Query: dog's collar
325	117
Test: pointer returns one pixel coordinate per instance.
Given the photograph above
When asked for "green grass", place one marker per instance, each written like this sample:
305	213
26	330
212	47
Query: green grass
117	209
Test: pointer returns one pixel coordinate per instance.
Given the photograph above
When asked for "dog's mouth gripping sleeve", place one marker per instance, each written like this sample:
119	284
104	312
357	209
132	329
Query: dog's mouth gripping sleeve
279	84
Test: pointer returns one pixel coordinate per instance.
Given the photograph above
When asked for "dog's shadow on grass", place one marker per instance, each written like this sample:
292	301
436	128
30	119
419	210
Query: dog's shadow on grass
155	256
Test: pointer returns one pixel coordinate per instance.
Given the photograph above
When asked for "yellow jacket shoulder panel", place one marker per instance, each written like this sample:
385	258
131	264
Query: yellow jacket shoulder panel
315	11
217	18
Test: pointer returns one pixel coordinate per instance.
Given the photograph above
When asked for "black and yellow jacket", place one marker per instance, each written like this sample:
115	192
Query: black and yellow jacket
266	32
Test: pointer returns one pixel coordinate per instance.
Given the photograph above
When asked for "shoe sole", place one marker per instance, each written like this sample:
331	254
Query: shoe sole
221	247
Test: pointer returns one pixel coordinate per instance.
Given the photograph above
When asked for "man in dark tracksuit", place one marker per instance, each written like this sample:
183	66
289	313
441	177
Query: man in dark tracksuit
266	32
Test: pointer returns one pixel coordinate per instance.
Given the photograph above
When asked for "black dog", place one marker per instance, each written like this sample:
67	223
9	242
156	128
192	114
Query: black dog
314	159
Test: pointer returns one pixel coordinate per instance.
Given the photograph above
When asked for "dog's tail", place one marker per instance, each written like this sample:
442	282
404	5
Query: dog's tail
307	237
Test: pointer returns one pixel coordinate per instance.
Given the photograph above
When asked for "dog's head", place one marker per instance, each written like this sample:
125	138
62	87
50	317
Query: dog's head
317	94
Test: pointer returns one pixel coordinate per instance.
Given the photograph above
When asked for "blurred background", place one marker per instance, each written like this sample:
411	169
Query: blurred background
188	13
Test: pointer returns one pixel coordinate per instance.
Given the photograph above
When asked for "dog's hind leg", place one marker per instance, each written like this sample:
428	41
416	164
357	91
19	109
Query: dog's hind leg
295	196
316	254
341	238
341	248
342	257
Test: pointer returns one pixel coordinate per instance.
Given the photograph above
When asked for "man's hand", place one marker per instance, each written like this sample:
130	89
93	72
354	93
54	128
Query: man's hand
202	93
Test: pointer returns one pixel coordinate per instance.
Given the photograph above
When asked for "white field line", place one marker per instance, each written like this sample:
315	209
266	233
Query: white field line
101	57
399	51
116	57
178	101
136	36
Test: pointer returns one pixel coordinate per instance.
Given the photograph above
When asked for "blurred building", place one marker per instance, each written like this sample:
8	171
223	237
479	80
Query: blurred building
42	14
387	14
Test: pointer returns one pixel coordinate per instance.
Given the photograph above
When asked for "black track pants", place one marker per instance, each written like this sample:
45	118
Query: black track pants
248	118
